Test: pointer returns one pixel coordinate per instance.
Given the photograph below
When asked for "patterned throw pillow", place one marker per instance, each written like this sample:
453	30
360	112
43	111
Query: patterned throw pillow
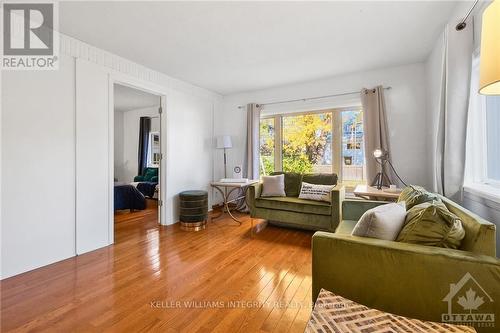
316	192
432	224
414	195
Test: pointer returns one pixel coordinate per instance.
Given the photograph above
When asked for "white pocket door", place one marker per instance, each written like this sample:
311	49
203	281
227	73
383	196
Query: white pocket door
92	157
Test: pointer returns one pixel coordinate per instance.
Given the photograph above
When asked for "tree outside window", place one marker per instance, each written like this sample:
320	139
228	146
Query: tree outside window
314	142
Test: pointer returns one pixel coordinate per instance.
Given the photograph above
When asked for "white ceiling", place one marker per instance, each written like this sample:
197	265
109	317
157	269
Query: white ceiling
231	47
127	99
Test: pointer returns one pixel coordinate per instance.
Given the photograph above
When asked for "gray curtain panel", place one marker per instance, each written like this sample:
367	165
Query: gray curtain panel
453	109
376	130
252	160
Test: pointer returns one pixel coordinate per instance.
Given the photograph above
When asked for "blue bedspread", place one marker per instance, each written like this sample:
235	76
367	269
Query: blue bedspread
128	197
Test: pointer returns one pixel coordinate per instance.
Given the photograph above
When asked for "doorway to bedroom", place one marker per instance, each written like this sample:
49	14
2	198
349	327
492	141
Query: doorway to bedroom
137	157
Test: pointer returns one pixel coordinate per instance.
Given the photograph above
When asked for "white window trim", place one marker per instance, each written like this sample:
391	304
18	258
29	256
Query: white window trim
486	191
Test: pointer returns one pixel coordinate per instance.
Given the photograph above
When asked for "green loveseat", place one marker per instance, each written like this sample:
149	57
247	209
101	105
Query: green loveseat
290	211
408	279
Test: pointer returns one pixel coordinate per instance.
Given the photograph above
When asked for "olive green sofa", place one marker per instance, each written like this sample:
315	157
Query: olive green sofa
290	211
407	279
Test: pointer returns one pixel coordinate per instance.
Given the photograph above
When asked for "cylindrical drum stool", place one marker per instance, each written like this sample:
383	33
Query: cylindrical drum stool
194	210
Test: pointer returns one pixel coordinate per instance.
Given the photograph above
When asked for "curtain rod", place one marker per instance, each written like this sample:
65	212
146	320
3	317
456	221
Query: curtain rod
310	98
461	26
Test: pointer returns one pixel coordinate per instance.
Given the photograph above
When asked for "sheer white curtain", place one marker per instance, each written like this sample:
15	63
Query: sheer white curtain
453	108
476	146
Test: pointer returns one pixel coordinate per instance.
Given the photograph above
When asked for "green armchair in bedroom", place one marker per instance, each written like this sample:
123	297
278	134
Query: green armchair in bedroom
149	175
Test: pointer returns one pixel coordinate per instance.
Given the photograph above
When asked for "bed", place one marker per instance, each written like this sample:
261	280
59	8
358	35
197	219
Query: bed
128	197
148	189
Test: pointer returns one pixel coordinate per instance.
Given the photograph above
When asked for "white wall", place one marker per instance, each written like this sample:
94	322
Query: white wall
38	151
127	141
485	207
189	145
38	167
405	105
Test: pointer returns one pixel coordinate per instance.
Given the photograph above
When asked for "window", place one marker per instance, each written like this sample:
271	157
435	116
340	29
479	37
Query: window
493	138
266	139
482	167
353	156
154	150
320	141
307	143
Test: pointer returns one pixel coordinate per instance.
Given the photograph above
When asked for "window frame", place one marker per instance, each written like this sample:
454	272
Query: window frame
476	168
487	180
337	131
150	158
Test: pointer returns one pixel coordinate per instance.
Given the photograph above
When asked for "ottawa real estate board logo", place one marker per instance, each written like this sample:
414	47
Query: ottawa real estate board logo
30	38
469	304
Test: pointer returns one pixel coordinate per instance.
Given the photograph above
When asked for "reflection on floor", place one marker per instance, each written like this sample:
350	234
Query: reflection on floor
162	278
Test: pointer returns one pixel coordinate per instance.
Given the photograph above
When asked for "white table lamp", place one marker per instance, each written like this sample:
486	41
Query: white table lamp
224	142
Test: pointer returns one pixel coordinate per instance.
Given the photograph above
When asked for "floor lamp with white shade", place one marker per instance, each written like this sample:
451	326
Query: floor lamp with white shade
224	142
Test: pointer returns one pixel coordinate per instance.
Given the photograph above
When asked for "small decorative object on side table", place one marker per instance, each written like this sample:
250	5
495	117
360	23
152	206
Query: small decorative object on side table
372	193
226	187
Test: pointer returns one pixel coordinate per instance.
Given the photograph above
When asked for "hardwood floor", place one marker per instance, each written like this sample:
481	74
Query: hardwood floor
155	278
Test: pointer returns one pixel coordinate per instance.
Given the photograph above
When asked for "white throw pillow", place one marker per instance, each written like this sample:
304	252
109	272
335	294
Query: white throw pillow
273	186
316	192
382	222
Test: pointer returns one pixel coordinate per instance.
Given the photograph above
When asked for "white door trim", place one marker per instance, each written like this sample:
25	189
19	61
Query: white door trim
151	88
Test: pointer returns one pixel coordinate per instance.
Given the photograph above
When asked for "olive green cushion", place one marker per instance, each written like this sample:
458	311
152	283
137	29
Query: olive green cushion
293	182
414	195
294	205
432	224
320	178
